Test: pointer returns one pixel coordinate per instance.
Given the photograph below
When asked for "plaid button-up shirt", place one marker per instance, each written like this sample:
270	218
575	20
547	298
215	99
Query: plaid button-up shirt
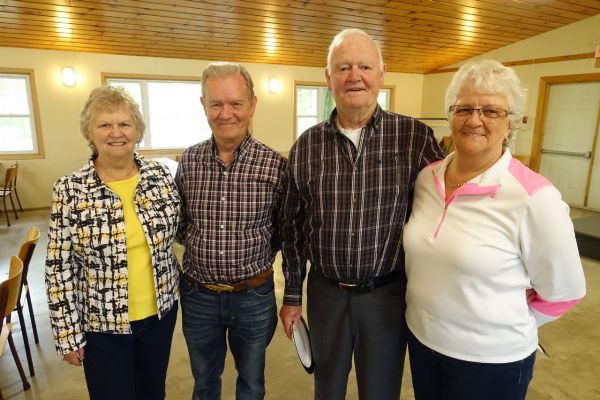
231	213
345	208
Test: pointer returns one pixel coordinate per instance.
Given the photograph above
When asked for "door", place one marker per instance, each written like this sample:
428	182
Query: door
570	127
594	191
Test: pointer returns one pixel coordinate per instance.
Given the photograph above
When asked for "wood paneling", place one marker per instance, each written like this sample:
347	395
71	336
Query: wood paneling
415	35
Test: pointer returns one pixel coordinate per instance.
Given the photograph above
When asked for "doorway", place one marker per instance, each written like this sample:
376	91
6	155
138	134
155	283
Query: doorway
565	144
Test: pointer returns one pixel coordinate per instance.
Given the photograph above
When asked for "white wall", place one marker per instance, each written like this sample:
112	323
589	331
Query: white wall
580	37
60	106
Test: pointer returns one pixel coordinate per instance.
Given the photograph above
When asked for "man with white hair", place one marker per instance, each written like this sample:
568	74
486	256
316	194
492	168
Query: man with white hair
347	199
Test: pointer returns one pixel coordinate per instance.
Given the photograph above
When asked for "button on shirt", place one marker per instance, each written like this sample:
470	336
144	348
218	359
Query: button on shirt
345	207
231	212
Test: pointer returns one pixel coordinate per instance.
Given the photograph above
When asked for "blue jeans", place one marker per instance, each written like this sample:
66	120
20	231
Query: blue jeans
130	366
248	318
436	376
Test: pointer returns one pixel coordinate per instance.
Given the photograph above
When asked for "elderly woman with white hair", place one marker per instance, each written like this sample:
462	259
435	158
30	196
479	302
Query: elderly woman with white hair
490	250
111	272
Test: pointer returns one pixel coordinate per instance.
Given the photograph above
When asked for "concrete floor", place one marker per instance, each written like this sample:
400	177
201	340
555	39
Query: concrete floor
573	343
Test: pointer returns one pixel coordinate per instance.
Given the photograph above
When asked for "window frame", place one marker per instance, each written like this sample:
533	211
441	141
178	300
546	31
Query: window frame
391	88
105	76
34	114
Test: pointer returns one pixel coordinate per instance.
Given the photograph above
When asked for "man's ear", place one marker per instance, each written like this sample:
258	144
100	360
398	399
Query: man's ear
327	77
253	105
203	102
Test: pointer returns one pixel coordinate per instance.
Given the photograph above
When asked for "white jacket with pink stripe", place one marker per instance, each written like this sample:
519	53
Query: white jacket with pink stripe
471	257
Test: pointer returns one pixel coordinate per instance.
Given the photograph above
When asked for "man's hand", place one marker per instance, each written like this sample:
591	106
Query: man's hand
75	357
290	316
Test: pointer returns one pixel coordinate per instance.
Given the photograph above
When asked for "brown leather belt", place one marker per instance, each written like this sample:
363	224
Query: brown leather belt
238	286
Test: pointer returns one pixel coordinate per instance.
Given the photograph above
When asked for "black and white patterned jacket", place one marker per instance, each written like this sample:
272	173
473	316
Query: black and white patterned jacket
86	265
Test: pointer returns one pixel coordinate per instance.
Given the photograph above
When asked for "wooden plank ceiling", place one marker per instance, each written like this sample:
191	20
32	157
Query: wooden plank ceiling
415	35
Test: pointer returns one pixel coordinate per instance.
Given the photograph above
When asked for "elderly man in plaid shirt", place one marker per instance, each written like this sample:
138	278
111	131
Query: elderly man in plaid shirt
231	188
347	199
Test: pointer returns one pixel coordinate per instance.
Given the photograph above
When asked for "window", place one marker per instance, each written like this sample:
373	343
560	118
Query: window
171	109
19	126
314	103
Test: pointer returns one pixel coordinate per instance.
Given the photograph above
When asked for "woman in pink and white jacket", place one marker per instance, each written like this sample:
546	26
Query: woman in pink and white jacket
490	250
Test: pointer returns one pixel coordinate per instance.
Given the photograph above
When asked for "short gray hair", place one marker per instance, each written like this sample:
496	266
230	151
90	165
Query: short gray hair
226	69
346	33
109	98
491	77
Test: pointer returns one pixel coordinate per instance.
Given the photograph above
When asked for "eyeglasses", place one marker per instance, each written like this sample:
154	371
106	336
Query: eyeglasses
487	112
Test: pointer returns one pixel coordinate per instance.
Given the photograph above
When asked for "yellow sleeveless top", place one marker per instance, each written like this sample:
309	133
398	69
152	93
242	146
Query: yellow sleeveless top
141	292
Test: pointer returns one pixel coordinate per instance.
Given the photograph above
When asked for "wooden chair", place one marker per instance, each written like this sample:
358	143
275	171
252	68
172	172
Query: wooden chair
15	187
9	294
523	158
25	254
6	191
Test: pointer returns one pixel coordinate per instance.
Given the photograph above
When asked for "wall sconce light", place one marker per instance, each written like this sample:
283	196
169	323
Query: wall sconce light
69	77
274	85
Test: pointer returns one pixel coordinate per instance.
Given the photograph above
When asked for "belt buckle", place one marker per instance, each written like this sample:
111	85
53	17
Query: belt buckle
350	287
219	287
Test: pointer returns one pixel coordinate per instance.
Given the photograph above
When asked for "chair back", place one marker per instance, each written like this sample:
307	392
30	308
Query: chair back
9	289
26	251
27	248
10	177
16	165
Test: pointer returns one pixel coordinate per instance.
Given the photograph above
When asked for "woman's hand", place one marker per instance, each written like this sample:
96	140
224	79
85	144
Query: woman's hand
75	357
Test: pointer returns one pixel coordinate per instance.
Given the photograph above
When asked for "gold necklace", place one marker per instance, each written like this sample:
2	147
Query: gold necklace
455	185
460	184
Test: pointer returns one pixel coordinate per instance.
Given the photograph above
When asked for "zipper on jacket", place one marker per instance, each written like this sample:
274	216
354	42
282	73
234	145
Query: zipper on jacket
443	217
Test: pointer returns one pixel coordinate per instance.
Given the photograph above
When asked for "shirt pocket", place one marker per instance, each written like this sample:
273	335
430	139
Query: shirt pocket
385	171
254	204
159	209
97	223
386	181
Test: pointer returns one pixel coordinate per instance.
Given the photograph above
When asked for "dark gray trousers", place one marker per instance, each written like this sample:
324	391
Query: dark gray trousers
371	326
